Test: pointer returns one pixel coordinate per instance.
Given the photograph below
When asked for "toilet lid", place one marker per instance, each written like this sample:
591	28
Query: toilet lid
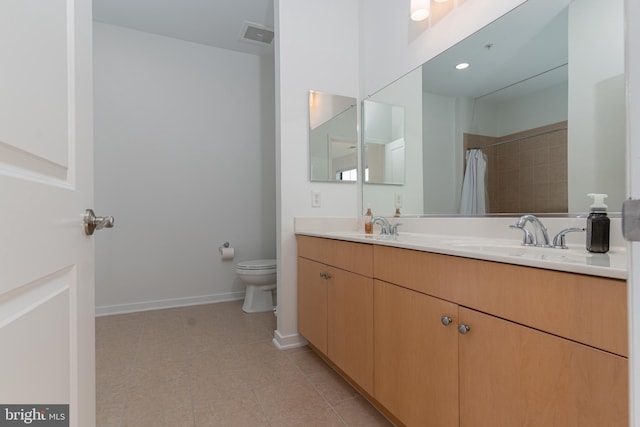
259	264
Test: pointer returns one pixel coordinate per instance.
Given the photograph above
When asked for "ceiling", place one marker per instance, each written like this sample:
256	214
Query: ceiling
217	23
525	42
528	41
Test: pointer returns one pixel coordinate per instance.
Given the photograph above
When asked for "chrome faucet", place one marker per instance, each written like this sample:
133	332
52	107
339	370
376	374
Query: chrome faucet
559	241
387	227
539	231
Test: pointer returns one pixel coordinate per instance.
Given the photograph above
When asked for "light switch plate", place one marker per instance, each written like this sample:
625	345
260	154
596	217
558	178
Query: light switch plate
631	220
398	200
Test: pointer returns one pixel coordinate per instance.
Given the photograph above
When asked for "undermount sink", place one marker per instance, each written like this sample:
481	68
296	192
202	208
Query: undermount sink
494	247
574	255
485	245
358	234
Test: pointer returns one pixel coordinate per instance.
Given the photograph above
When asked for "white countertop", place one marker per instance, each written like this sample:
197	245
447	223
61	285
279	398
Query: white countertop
576	259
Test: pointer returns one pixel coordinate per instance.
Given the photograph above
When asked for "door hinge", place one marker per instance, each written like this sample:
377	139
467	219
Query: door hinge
631	220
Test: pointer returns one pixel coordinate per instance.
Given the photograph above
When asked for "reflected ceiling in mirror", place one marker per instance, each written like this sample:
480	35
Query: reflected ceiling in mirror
527	74
332	138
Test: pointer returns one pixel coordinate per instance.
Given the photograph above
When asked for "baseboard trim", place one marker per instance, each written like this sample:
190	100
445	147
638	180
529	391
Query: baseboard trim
285	342
107	310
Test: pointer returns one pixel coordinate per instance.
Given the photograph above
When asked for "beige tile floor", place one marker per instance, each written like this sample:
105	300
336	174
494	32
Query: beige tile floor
213	365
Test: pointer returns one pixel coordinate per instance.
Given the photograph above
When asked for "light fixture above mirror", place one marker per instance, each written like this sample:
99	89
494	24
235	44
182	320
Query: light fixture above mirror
422	9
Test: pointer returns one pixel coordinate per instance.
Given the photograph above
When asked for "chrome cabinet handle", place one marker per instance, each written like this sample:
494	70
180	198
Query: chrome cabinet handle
325	275
92	222
446	320
463	329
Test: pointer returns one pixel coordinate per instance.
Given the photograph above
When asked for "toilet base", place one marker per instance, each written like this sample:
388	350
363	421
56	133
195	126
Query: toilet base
258	299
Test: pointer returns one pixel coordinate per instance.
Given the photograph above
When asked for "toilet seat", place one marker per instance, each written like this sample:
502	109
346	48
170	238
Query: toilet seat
259	264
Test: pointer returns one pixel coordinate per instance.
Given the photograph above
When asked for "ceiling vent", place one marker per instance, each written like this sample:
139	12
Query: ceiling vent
256	33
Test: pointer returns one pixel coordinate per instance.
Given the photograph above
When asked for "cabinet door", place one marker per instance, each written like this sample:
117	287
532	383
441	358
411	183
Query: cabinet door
511	375
312	303
416	355
350	336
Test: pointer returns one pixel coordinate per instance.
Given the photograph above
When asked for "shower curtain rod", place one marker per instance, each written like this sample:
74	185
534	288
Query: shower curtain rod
533	135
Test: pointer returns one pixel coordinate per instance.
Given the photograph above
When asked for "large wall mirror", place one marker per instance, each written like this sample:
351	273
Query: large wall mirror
539	113
332	138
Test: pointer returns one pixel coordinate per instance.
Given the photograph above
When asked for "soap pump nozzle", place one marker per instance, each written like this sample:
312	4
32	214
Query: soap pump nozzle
598	202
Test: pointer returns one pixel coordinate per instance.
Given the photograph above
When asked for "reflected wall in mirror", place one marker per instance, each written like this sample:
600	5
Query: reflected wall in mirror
384	147
332	138
544	100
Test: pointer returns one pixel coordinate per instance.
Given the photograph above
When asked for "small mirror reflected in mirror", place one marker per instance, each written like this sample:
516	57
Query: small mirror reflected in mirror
384	145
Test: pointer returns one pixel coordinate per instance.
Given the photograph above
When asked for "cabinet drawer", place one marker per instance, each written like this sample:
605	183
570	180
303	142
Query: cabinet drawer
354	257
588	309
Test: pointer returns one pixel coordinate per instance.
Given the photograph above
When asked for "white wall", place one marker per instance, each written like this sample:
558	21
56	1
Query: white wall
184	160
441	190
535	109
316	48
596	103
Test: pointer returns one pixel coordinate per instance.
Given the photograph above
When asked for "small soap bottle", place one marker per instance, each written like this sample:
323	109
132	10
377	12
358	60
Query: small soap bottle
397	214
368	225
598	225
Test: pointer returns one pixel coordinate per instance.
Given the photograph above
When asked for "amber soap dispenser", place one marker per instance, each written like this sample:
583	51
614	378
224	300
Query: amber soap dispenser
368	217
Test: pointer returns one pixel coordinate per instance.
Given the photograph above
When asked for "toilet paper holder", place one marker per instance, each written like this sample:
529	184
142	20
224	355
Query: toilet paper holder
226	251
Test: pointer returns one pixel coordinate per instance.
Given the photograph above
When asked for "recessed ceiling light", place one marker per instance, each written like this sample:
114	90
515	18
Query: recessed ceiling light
462	66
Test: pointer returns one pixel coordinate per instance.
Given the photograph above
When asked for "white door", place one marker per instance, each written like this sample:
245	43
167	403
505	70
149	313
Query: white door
394	161
46	183
632	59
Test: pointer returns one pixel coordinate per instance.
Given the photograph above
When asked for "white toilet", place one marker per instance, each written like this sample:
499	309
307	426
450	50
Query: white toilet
260	278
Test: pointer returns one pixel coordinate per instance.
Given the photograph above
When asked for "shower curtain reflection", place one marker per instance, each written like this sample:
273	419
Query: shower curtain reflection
474	187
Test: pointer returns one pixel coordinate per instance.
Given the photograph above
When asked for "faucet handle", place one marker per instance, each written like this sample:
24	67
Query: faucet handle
527	239
393	229
385	227
559	241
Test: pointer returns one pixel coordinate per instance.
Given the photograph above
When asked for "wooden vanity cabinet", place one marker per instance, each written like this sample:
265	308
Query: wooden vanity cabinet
335	304
312	303
416	356
350	325
449	341
516	361
512	375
